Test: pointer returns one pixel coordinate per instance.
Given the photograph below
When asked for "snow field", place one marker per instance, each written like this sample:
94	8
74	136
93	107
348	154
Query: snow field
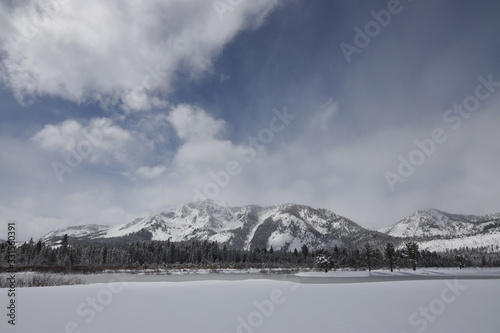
248	306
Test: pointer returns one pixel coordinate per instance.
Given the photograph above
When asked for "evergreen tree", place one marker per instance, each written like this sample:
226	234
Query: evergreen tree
104	255
51	257
390	255
368	255
336	253
324	261
305	250
461	261
412	254
63	251
201	254
64	242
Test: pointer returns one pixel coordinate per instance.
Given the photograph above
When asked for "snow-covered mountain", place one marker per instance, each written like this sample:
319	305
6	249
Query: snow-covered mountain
75	231
290	226
439	231
286	226
434	223
490	241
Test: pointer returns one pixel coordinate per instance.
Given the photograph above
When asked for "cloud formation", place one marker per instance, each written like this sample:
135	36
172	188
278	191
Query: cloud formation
194	124
118	52
213	86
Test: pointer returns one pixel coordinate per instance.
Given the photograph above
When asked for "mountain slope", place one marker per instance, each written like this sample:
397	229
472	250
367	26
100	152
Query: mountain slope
75	231
490	241
289	226
434	223
285	226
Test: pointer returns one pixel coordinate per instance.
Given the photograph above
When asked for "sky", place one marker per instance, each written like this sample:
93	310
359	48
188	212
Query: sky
111	110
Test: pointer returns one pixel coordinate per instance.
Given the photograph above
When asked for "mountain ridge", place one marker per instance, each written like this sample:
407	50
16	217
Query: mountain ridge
434	222
289	226
286	226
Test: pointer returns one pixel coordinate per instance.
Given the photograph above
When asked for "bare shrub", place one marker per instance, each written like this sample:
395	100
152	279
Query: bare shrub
41	280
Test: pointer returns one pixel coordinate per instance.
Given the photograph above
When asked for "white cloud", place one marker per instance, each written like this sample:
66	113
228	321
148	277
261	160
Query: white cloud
346	178
100	142
151	172
116	52
193	124
59	137
37	214
322	119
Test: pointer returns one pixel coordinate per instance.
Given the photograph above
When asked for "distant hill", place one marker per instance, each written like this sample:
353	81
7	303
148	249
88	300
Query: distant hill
439	230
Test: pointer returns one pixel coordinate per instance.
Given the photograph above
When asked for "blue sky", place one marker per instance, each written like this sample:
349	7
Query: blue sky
113	110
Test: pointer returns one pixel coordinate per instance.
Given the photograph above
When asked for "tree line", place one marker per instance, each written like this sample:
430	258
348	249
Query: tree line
84	255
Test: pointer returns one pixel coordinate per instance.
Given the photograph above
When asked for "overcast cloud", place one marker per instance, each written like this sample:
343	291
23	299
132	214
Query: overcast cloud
115	109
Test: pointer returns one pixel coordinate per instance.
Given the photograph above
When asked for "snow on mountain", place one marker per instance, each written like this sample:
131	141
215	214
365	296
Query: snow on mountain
290	226
202	220
490	241
282	226
435	223
75	231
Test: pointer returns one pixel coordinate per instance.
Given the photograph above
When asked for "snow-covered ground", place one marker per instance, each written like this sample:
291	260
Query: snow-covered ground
248	306
423	272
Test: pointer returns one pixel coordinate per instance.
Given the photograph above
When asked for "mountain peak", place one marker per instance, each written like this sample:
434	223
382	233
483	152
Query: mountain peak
282	226
207	204
287	226
435	223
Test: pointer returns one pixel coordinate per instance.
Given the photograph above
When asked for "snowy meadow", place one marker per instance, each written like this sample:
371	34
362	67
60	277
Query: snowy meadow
402	302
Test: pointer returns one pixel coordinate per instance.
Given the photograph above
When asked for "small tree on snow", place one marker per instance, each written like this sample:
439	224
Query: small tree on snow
412	254
368	255
324	262
390	255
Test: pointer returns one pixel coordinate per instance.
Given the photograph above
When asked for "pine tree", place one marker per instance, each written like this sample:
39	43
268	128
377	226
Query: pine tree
368	255
51	257
336	253
305	250
412	254
324	261
104	255
64	242
390	255
461	261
